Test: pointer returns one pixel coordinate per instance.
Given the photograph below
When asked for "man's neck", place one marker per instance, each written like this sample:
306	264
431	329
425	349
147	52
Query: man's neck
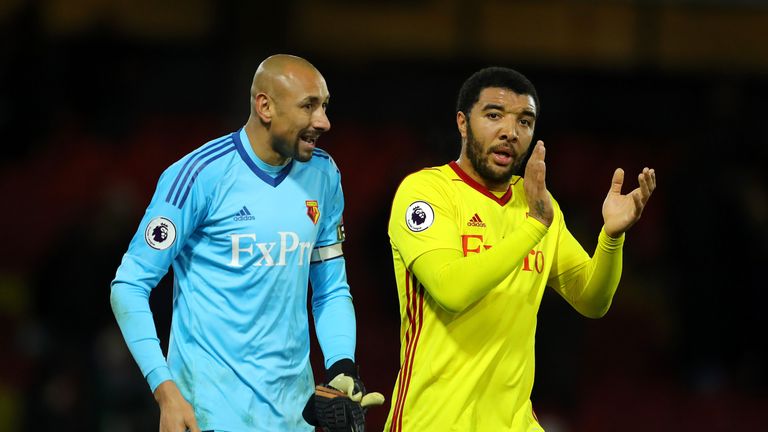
261	143
468	168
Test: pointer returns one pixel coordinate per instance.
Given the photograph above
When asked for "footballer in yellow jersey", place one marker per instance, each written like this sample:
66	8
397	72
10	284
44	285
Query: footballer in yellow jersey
474	247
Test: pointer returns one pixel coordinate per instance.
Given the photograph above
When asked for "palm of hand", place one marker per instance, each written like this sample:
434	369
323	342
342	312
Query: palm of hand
620	212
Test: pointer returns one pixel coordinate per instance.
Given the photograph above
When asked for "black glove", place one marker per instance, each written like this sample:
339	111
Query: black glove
340	405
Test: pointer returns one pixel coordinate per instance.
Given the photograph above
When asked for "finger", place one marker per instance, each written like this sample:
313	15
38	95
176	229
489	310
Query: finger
617	181
173	425
535	169
192	424
652	175
639	202
645	193
541	172
372	399
538	152
648	175
542	151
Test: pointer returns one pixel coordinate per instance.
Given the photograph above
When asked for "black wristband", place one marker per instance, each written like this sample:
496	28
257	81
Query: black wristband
343	366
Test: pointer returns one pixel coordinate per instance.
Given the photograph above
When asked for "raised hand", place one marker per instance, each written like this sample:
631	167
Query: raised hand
620	212
539	201
176	414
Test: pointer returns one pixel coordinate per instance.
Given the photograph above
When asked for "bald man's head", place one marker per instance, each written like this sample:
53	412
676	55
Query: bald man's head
277	72
288	101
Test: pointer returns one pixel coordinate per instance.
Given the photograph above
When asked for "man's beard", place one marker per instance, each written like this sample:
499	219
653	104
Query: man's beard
290	149
478	157
297	152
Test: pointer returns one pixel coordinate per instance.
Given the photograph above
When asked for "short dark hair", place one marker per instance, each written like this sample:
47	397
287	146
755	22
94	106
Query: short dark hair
495	76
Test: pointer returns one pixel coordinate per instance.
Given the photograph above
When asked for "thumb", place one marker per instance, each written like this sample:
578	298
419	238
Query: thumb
617	181
343	383
371	399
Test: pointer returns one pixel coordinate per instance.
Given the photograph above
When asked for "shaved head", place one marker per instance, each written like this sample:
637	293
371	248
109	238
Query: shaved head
288	101
278	73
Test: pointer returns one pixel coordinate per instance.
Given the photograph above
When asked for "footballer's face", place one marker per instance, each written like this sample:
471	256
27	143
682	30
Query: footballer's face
300	119
496	135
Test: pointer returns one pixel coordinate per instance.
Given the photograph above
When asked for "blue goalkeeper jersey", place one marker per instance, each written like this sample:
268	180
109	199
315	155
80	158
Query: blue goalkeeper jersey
244	238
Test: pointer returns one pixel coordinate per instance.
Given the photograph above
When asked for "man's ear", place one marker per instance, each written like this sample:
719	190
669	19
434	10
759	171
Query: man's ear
461	123
263	107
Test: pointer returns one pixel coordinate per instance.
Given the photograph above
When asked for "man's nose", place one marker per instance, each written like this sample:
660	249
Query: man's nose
509	131
320	121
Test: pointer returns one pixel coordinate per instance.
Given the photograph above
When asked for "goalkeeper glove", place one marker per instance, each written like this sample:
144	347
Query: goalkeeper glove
340	405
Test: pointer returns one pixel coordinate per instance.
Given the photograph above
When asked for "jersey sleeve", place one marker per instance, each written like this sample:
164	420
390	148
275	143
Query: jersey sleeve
176	209
423	217
424	230
332	308
569	255
590	284
331	221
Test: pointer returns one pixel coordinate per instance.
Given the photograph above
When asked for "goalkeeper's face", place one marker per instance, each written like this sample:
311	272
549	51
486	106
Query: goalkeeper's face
300	101
496	135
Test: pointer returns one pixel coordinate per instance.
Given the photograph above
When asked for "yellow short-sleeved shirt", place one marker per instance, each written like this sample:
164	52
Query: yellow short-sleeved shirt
473	370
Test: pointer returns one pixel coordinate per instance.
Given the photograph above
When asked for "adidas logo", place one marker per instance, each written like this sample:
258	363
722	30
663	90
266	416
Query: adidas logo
244	215
476	221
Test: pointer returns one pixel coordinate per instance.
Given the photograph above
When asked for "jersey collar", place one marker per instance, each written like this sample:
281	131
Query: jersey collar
246	153
480	188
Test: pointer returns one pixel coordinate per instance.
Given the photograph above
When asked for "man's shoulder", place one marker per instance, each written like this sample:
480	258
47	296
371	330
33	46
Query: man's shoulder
431	185
429	176
207	153
322	161
207	162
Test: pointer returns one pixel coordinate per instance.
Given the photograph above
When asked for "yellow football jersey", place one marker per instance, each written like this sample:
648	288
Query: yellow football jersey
472	370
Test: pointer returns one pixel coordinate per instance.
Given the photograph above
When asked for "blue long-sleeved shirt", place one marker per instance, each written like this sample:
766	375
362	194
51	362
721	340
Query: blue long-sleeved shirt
243	238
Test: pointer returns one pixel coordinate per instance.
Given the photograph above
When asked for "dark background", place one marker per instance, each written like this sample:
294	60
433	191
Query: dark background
97	98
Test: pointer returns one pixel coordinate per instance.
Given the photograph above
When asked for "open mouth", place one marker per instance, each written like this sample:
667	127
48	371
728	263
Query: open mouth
310	139
502	155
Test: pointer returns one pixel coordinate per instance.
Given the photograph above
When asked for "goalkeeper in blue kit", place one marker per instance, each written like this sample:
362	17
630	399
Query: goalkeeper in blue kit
246	221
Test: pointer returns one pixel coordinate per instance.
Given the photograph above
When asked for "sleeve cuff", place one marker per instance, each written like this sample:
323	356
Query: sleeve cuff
344	366
158	376
534	228
608	243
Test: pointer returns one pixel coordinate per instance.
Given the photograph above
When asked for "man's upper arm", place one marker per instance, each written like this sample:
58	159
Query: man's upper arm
334	315
165	227
171	217
422	217
331	214
329	280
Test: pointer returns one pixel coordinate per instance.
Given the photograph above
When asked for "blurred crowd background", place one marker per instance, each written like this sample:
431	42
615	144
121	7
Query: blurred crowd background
98	97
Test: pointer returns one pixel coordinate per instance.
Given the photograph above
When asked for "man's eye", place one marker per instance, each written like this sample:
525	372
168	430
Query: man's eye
493	116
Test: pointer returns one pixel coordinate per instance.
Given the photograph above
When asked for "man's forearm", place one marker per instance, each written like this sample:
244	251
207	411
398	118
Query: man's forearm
130	305
591	290
456	281
332	308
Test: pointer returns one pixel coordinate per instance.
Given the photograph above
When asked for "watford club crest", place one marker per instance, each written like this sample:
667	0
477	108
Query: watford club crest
313	211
